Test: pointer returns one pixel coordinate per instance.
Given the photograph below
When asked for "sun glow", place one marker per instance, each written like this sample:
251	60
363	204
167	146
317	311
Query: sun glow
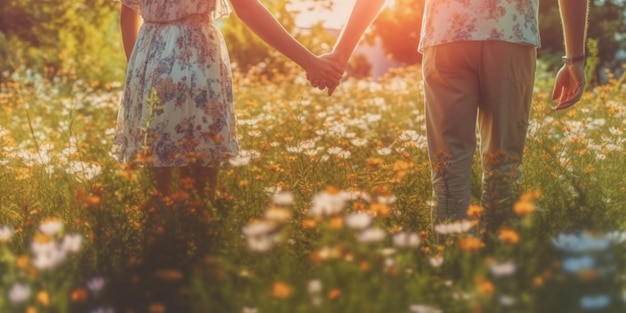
310	13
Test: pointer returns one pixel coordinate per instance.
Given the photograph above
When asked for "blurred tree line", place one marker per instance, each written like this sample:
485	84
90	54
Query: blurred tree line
80	38
69	38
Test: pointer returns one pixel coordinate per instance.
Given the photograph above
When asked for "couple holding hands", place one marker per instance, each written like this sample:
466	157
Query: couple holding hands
478	67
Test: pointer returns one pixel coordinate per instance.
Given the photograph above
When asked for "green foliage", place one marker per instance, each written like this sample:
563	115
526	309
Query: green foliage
74	39
399	29
592	63
248	52
606	23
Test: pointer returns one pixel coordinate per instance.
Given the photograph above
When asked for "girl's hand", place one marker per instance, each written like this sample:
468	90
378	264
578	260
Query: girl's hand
334	66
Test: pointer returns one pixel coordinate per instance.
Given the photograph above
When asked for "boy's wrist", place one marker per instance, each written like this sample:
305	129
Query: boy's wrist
342	56
573	60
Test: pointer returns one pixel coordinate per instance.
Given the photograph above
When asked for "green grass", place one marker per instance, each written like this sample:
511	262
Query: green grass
364	148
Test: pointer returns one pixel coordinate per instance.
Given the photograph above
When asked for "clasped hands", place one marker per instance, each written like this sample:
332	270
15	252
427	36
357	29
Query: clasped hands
326	71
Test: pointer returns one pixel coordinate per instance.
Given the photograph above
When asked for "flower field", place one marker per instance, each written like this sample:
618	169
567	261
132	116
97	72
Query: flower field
326	209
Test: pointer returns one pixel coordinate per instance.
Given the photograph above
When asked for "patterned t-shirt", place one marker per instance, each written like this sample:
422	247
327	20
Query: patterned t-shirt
447	21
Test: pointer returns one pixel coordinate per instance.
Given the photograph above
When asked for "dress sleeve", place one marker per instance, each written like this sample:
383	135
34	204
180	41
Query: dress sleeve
222	9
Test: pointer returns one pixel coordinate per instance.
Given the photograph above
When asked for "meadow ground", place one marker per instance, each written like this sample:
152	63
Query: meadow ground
327	209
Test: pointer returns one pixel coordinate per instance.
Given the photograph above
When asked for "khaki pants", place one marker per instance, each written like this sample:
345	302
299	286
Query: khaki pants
488	84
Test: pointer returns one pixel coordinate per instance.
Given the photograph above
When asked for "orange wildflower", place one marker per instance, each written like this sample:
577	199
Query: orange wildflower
156	308
180	196
590	169
508	235
332	190
364	266
359	205
474	211
336	222
92	201
379	209
485	287
315	257
80	194
281	290
588	275
334	293
309	223
523	207
78	295
169	275
374	162
23	262
217	138
144	157
186	183
401	166
470	244
531	195
42	238
275	168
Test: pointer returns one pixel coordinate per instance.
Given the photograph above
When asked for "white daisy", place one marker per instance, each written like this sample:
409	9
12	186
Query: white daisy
358	220
19	293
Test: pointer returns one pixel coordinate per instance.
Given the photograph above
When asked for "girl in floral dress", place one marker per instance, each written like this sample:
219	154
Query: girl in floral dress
177	108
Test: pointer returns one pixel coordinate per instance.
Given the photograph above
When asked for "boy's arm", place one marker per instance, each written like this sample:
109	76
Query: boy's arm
130	21
570	80
363	14
574	19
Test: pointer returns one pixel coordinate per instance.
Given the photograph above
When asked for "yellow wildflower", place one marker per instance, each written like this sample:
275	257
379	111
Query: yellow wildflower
43	297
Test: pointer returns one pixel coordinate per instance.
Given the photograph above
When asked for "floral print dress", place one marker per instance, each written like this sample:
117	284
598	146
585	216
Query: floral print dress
181	58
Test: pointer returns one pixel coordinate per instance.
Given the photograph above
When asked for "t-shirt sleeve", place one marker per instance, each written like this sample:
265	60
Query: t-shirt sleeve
133	4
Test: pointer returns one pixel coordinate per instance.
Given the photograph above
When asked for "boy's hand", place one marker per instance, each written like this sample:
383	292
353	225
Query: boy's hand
569	85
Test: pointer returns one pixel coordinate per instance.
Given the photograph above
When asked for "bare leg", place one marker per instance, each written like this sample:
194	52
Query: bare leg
204	180
162	180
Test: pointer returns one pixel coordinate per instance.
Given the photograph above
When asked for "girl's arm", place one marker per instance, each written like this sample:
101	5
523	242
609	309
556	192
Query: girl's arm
130	21
258	19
